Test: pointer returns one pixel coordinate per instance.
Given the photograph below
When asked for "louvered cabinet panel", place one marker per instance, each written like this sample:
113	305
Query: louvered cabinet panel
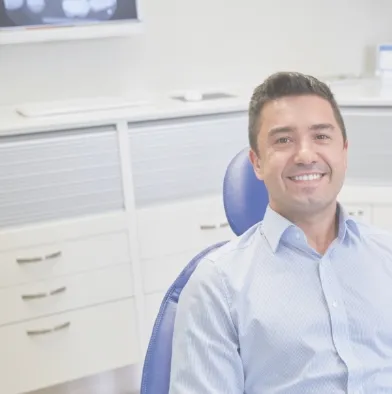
369	132
59	174
184	158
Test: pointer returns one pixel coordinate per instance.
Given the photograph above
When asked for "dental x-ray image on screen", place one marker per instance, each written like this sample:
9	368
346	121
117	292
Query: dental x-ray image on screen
23	13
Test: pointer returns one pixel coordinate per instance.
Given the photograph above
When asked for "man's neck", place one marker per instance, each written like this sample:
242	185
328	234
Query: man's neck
320	228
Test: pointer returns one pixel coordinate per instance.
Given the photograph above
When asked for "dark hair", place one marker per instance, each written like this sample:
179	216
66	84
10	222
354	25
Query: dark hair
283	84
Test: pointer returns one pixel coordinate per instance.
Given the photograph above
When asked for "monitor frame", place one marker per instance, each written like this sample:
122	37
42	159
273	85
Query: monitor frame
48	33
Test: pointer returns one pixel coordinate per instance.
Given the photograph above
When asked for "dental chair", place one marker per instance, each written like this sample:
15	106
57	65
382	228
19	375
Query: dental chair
245	201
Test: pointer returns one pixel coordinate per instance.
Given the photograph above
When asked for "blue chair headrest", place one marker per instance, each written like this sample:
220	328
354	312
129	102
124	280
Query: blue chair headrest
245	197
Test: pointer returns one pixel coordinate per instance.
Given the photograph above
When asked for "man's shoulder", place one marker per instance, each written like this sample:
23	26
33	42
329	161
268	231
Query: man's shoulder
373	233
370	229
237	256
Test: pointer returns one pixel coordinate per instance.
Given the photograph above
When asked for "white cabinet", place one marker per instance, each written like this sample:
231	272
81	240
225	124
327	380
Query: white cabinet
68	256
67	278
97	222
369	133
68	301
68	346
184	158
159	273
59	174
382	216
361	212
181	226
153	304
65	293
170	235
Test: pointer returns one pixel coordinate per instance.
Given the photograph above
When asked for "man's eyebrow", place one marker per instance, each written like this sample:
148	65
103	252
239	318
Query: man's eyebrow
289	129
280	130
322	126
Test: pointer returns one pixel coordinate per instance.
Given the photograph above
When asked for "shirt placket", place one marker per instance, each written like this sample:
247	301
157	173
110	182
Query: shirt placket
339	322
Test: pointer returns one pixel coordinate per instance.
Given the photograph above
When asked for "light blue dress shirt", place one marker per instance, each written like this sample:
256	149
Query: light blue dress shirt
267	314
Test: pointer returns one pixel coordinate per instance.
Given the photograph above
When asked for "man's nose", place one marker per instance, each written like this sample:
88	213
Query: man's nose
305	154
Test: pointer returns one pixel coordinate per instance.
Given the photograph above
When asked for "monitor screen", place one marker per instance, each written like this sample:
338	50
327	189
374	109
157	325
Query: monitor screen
16	14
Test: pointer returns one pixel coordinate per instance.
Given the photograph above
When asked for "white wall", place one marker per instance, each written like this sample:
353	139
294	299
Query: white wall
202	43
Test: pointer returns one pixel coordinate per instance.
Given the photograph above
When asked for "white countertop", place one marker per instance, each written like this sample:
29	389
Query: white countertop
362	93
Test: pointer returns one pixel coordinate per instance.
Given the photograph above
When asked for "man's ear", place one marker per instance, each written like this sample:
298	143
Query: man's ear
345	148
256	163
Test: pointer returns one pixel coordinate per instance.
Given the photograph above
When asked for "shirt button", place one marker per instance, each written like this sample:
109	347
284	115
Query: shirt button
335	304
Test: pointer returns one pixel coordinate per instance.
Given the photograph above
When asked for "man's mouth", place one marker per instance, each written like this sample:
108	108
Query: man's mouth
306	177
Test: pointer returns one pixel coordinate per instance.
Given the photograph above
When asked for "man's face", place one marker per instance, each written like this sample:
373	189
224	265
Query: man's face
302	157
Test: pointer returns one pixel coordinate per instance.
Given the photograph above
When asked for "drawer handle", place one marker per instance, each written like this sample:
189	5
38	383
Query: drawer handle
44	331
213	226
53	255
30	260
29	297
353	213
58	291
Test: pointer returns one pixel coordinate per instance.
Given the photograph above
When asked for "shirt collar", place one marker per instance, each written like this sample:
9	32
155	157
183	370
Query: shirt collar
346	223
275	225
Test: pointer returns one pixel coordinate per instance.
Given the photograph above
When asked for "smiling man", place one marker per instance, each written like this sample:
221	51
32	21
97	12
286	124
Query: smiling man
299	149
300	303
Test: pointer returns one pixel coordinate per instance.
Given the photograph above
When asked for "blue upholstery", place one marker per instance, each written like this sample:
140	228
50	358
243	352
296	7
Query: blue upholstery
245	198
156	369
245	201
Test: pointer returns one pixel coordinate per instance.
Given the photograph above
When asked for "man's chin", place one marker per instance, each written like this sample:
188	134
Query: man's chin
311	204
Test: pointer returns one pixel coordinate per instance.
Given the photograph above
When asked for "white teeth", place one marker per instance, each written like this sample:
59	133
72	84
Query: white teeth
308	177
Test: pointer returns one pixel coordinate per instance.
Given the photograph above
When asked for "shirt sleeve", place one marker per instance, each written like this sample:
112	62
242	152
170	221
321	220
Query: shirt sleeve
205	351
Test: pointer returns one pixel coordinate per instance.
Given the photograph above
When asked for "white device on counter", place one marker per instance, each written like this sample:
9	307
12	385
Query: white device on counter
193	95
384	60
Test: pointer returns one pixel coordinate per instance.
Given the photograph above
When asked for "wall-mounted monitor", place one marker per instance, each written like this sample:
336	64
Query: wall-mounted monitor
47	20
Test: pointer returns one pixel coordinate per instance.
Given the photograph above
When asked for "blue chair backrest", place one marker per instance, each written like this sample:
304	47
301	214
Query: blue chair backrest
245	200
156	369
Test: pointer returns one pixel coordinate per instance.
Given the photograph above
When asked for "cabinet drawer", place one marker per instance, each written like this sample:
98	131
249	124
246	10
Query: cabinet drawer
160	273
153	303
383	216
65	293
366	128
26	265
360	212
67	346
183	226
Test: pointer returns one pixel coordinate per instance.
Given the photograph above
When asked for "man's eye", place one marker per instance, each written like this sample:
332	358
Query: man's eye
283	140
322	137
